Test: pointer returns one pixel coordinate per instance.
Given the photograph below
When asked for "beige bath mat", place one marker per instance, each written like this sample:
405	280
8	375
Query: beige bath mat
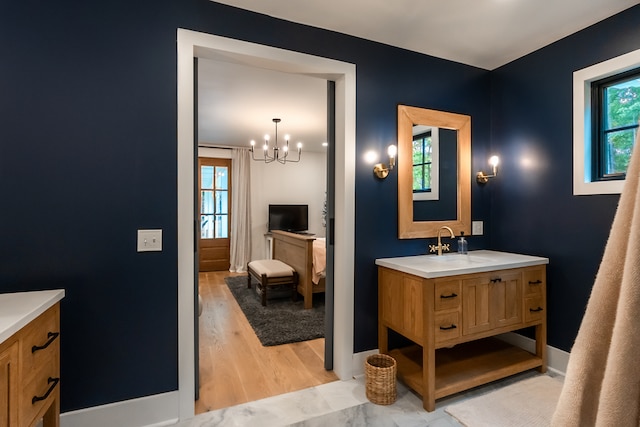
527	403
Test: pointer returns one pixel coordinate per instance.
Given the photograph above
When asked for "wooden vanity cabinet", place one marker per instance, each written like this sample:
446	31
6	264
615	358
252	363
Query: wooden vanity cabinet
452	319
30	373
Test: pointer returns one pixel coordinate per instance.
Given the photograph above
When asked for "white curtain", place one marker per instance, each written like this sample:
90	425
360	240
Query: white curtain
240	210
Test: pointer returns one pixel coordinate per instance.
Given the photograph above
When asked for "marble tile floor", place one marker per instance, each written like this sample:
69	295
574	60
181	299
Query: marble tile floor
341	403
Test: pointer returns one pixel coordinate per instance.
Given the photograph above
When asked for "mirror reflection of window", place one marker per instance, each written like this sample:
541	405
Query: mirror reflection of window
425	163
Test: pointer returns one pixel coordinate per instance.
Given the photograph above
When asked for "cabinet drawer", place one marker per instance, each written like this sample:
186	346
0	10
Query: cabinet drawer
40	343
44	382
447	326
447	295
534	309
534	281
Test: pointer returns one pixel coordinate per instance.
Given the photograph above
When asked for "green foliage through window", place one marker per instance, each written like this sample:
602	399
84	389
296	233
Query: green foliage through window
422	158
616	109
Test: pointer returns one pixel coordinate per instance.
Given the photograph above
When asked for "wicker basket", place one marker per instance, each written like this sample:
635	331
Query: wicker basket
380	378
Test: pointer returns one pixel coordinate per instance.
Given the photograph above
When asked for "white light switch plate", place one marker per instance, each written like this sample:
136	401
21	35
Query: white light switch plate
477	228
149	240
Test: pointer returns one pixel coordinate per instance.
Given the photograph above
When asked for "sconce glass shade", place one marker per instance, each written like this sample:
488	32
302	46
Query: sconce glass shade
381	170
483	178
494	161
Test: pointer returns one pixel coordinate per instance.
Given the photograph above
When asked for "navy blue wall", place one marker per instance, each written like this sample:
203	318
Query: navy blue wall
88	156
533	209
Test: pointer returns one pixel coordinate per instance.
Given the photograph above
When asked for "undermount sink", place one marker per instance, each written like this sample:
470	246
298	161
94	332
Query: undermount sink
458	258
450	264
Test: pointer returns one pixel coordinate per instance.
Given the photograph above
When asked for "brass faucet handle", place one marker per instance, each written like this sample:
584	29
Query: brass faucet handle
445	247
433	248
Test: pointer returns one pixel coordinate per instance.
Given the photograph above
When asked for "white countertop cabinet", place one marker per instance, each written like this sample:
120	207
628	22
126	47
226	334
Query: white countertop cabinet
451	307
30	358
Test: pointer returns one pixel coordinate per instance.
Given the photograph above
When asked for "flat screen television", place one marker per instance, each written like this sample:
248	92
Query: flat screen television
294	218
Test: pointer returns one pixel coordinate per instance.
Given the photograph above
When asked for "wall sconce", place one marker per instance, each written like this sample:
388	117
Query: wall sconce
380	169
482	178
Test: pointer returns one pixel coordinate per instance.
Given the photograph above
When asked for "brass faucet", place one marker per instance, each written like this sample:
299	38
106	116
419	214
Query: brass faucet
442	247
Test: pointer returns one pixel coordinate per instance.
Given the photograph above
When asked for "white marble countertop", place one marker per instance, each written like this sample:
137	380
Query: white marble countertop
452	264
19	308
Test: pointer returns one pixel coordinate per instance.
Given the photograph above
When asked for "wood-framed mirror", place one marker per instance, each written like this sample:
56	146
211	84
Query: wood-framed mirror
410	227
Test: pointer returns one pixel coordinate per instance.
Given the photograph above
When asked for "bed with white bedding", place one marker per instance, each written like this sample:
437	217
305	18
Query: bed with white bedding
307	255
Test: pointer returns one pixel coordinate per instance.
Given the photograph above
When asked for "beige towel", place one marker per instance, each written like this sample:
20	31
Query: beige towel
602	386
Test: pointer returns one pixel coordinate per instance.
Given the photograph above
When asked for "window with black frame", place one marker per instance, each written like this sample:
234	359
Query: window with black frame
615	111
422	160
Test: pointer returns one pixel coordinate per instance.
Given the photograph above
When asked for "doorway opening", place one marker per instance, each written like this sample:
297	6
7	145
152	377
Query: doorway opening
192	45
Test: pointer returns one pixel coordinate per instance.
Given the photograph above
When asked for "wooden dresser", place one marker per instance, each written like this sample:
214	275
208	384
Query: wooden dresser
451	319
30	358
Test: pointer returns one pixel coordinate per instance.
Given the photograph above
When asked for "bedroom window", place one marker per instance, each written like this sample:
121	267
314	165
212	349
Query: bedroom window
606	108
214	210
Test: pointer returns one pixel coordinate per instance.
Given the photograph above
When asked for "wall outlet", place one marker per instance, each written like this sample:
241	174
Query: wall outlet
149	240
477	228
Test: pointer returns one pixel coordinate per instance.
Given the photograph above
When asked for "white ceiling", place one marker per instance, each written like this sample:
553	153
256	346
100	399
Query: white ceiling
237	103
483	33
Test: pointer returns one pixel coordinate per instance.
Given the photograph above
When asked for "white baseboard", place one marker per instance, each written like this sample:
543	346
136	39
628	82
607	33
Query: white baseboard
150	411
358	361
557	359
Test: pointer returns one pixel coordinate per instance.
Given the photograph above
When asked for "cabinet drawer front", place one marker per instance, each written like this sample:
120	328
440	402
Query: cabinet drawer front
534	281
39	391
534	309
40	343
447	295
447	326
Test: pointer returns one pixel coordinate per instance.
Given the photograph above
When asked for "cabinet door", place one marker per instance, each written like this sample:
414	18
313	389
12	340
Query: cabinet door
506	299
476	294
491	301
9	386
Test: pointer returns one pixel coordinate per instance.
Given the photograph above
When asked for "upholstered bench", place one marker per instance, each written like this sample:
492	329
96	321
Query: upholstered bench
272	273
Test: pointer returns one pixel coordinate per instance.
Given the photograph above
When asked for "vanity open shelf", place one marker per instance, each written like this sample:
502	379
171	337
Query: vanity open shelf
452	308
464	366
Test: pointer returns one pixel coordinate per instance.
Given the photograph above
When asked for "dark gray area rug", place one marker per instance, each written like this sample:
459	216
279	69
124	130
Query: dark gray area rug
282	321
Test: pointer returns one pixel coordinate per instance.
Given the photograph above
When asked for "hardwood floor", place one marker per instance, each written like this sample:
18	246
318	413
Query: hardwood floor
234	366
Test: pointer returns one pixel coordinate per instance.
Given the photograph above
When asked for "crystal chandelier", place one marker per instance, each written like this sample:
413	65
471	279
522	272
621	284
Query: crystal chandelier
269	154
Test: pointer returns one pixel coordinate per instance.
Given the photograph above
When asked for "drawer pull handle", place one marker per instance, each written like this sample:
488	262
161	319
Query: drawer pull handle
51	336
535	310
537	282
453	295
496	280
54	382
448	328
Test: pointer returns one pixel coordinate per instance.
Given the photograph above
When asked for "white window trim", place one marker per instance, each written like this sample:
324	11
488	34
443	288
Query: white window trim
582	80
434	194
